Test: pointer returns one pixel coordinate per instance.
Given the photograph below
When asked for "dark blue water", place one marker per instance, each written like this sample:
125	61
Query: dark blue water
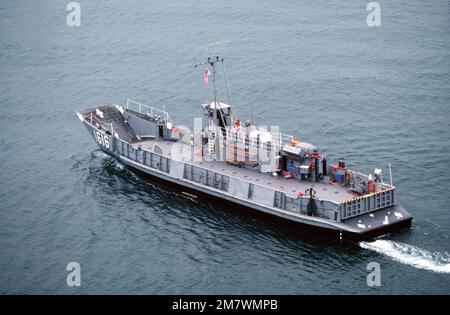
371	95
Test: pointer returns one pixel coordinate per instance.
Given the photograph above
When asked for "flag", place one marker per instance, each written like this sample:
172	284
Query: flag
206	77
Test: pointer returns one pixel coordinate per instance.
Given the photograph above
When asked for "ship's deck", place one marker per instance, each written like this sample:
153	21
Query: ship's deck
182	151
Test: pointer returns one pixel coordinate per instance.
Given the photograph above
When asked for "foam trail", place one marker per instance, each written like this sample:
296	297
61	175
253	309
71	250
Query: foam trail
119	165
99	154
411	255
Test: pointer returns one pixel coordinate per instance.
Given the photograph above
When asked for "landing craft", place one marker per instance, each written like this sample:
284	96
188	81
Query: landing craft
248	167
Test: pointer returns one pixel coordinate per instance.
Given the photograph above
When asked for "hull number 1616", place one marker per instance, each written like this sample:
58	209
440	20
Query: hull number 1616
102	139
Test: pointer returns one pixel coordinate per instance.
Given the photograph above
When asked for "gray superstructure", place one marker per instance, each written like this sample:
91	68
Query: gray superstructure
249	166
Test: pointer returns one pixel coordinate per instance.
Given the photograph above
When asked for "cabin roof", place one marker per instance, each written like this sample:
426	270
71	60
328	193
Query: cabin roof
220	105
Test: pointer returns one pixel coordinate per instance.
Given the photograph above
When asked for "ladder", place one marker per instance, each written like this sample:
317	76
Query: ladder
211	139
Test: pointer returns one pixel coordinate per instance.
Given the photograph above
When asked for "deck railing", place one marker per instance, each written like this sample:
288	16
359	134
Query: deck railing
242	138
147	109
95	121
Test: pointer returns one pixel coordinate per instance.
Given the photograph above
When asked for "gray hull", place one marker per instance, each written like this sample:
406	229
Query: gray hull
233	190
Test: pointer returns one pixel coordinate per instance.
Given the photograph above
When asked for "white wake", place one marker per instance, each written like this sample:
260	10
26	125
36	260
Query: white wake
99	154
411	255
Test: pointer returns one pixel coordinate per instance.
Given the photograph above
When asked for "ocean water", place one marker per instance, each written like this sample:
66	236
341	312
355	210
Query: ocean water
371	95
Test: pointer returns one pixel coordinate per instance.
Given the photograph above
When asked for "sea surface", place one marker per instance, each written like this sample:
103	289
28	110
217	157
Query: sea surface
371	95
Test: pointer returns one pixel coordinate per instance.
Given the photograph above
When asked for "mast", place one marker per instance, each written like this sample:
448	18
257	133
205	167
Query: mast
213	65
211	61
390	174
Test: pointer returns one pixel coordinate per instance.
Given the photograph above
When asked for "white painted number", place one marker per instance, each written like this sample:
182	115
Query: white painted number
102	139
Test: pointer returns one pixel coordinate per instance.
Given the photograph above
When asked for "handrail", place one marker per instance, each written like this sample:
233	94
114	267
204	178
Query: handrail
153	110
92	118
239	137
365	176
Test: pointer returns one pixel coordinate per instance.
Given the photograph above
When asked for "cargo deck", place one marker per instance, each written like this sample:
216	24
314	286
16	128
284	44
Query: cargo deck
250	166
